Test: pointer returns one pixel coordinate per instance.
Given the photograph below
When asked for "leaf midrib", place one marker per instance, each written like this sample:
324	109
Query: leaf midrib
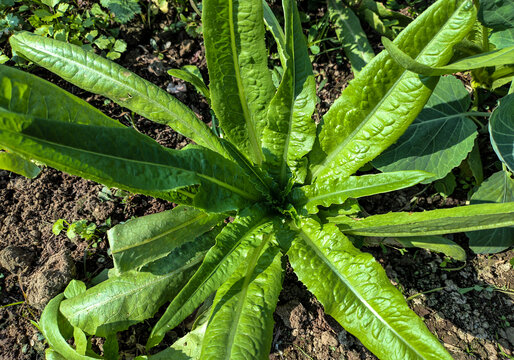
350	137
354	291
129	90
252	136
227	186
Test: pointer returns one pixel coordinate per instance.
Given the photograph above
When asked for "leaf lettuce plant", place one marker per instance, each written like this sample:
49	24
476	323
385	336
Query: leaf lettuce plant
288	184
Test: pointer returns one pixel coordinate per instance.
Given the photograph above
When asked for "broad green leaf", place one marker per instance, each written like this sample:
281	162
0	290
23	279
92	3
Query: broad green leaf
276	30
498	188
123	10
192	75
241	322
383	99
18	165
349	32
502	38
501	131
74	288
435	243
290	131
101	76
360	296
240	81
336	191
151	237
496	14
53	355
124	158
232	246
433	222
439	139
492	58
132	297
49	326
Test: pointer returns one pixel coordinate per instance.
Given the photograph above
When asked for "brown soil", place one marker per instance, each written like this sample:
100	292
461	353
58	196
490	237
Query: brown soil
36	265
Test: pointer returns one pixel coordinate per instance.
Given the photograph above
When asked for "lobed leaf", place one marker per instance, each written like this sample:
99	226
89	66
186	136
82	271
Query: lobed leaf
360	296
232	245
240	81
433	222
383	99
101	76
241	322
151	237
335	191
439	139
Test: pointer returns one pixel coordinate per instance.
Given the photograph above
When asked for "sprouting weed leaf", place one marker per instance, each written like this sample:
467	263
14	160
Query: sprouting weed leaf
59	226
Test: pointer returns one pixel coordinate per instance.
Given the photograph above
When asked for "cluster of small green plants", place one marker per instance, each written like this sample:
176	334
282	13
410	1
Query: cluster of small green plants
289	187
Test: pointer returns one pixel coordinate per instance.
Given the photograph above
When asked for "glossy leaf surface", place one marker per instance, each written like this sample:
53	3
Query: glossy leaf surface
365	119
240	81
435	243
18	165
49	325
361	297
241	323
134	296
439	139
101	76
232	245
501	131
433	222
151	237
335	191
498	188
290	131
124	158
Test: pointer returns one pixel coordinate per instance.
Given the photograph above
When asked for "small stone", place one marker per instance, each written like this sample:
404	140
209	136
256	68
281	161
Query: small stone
328	339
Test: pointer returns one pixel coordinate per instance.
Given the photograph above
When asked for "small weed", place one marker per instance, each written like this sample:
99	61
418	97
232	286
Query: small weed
83	229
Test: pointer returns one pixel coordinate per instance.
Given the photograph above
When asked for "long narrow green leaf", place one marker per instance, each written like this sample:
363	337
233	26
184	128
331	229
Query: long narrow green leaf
191	74
232	245
49	325
18	165
151	237
101	76
276	30
383	99
335	191
360	296
492	58
435	243
124	158
241	323
349	32
240	81
290	131
24	93
433	222
498	188
132	297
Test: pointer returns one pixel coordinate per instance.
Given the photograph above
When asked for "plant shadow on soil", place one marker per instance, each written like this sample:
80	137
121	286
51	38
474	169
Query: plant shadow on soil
35	265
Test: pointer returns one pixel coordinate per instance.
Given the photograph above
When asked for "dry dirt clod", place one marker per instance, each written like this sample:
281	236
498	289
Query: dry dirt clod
16	258
50	280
